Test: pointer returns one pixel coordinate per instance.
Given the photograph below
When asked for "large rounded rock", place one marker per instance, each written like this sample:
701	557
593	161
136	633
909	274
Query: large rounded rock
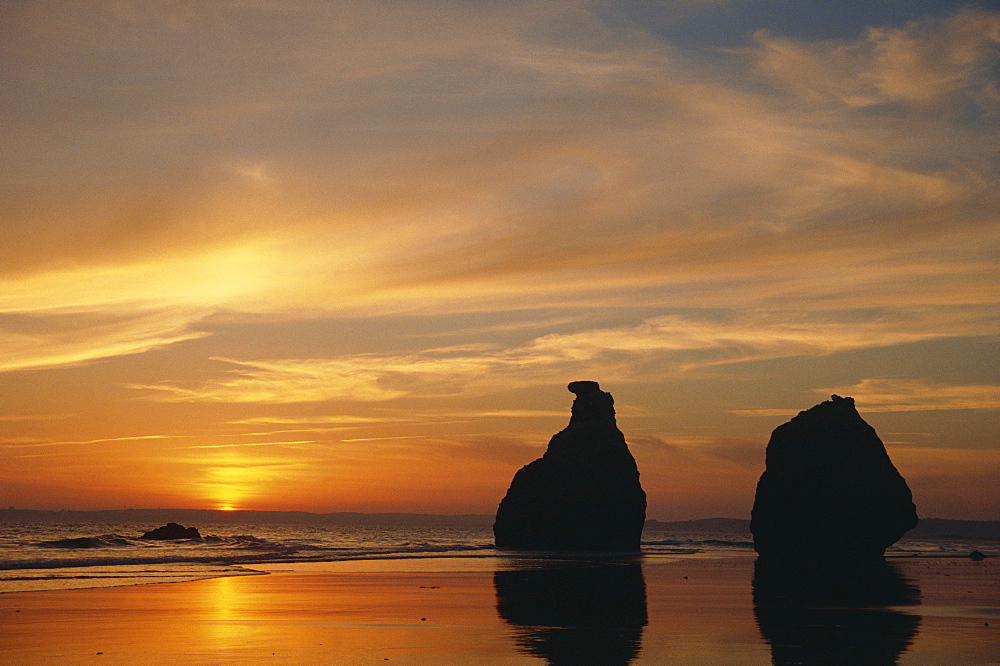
829	490
584	493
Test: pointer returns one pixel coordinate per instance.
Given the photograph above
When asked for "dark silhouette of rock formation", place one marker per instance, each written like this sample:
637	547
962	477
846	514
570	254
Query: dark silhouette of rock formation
584	493
825	614
172	531
829	490
575	613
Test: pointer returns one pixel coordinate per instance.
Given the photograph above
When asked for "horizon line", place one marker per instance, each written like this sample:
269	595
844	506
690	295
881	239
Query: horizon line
10	509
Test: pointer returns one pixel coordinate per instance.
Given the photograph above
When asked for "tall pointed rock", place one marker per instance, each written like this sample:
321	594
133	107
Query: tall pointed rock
584	493
829	490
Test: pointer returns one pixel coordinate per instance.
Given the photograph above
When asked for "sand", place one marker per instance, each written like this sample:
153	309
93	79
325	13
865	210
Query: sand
692	610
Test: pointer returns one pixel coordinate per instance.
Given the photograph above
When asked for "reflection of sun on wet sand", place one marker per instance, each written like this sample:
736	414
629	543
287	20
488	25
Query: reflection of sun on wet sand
698	610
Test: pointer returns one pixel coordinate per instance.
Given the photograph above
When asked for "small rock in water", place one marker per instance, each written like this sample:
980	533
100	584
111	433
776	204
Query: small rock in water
976	556
171	532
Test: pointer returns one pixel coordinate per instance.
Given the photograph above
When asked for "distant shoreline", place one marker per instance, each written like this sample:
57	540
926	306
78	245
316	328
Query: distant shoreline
927	528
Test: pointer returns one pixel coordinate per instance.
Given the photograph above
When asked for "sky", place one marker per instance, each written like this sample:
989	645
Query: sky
304	255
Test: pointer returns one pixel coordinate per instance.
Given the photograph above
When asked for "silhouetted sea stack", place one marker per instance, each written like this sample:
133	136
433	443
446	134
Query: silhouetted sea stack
829	490
584	493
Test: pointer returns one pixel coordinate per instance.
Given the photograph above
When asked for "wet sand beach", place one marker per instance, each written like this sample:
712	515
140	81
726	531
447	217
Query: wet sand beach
500	610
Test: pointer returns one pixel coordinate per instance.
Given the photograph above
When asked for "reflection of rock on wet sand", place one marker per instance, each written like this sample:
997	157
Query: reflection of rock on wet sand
834	616
574	612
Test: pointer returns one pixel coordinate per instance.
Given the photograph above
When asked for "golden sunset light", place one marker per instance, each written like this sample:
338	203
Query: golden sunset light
346	256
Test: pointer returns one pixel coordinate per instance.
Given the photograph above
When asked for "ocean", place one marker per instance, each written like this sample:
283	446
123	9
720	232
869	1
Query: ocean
50	555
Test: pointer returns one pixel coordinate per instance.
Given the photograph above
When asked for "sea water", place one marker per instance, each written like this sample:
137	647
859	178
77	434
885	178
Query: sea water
42	556
46	556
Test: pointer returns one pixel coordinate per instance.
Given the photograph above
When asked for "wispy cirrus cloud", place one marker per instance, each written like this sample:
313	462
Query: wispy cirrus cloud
736	451
47	340
7	444
917	395
671	343
73	316
294	444
924	62
340	419
737	337
903	395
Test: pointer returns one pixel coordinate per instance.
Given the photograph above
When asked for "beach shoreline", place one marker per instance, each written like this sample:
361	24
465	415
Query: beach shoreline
676	609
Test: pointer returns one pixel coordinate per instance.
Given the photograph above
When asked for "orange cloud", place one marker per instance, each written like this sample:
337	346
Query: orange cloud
903	395
674	342
915	395
920	63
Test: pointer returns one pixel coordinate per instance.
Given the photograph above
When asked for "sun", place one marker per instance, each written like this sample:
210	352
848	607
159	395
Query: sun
227	508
